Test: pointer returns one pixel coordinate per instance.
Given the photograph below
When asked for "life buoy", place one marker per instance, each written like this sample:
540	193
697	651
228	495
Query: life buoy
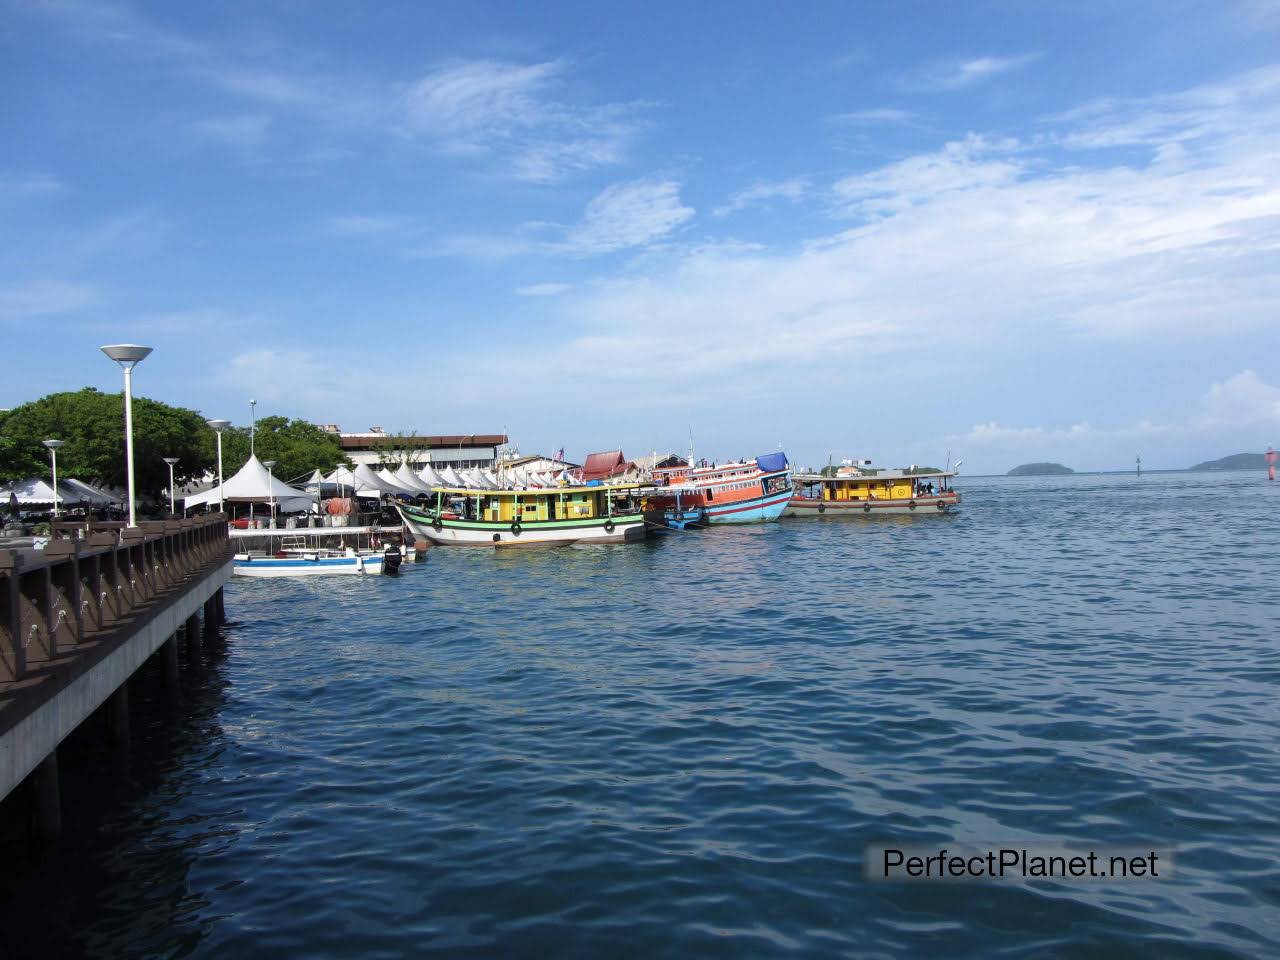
866	508
608	525
515	528
911	505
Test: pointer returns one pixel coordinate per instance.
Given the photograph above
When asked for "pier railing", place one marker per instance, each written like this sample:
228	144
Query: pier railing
53	600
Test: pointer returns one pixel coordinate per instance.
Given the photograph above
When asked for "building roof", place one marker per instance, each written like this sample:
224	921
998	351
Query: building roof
603	464
353	441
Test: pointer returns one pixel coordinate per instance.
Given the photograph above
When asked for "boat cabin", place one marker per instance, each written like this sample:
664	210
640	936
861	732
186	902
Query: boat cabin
867	487
563	503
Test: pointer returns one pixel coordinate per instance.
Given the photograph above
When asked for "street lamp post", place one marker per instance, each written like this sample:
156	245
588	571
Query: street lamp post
253	423
53	446
128	355
270	465
173	510
219	426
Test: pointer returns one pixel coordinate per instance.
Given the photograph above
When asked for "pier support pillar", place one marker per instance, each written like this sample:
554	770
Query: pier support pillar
210	617
47	806
193	638
118	719
169	665
222	607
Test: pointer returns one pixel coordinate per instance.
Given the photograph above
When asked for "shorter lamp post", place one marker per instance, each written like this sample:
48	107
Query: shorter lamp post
270	465
219	426
173	510
53	446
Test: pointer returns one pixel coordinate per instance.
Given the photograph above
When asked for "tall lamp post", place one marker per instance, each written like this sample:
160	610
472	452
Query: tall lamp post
128	355
53	446
270	465
219	426
173	510
253	423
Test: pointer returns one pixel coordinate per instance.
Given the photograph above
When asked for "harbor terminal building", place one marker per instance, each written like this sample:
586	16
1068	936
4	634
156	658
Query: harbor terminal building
375	446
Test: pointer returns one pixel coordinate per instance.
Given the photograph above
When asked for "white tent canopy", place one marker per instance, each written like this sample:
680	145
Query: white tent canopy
364	473
450	478
253	483
38	492
410	480
431	478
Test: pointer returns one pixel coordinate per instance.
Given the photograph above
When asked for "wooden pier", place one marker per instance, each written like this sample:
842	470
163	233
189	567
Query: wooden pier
79	617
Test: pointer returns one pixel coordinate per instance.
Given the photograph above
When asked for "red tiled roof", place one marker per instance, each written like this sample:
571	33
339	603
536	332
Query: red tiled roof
605	464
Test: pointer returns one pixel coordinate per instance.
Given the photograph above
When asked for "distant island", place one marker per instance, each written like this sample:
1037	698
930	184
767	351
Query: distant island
1237	461
1040	470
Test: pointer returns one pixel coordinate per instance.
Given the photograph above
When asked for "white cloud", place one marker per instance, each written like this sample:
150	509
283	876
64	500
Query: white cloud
1242	399
29	185
878	115
243	131
43	298
543	289
365	225
628	214
284	375
975	245
958	74
508	110
793	189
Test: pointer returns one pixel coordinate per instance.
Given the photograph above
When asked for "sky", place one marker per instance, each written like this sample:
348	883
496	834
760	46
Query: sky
1001	232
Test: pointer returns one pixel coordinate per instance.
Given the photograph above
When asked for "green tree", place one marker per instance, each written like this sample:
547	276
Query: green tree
297	446
91	424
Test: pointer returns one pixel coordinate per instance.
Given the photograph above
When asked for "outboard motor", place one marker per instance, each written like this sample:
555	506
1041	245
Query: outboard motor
391	558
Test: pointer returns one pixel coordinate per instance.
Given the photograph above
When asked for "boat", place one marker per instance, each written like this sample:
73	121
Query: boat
307	564
862	491
592	513
744	491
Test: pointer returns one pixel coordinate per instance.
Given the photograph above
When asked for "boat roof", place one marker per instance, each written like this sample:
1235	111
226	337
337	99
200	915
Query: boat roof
878	475
545	491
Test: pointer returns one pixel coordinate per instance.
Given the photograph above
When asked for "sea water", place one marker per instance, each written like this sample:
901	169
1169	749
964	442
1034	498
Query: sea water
684	748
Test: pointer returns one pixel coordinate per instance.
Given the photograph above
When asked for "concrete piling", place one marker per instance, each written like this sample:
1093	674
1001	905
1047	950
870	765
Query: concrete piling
47	796
118	719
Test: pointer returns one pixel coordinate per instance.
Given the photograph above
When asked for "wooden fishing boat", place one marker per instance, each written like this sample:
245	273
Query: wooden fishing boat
529	517
747	491
855	492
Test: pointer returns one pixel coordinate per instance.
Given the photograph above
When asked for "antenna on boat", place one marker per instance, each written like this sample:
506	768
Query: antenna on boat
691	445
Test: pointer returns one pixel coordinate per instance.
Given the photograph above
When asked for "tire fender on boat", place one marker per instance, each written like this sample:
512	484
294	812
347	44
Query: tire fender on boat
941	506
497	537
437	525
515	528
609	525
822	508
911	505
866	508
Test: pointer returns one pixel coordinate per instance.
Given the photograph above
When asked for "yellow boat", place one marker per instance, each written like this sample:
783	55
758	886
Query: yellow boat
554	515
851	492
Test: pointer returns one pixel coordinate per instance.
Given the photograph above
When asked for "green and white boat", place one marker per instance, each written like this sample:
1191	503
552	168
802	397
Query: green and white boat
554	516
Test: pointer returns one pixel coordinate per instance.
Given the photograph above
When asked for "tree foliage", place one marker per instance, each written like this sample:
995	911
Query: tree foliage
91	424
297	446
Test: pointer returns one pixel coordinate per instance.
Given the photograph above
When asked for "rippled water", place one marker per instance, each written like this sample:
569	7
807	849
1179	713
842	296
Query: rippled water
682	748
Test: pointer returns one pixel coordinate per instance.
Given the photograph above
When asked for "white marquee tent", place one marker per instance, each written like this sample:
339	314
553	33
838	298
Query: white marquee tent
253	483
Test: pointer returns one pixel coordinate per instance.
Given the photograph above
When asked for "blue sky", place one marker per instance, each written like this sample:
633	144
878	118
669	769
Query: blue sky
1015	231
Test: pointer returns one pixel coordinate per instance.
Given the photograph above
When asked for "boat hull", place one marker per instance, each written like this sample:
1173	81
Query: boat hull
486	533
242	566
923	506
756	510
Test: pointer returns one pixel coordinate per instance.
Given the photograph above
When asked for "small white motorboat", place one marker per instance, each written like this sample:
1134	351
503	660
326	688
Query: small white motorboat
306	564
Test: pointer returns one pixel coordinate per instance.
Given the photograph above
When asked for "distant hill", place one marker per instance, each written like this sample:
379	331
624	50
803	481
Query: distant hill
1237	461
1040	470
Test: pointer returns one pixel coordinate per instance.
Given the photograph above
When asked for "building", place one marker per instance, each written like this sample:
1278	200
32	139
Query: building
539	464
375	446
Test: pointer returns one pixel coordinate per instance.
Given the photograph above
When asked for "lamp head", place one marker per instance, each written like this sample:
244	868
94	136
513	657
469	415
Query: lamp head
219	425
270	463
171	460
126	354
53	444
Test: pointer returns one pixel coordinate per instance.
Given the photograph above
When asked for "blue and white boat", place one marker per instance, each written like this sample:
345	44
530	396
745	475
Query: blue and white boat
316	563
